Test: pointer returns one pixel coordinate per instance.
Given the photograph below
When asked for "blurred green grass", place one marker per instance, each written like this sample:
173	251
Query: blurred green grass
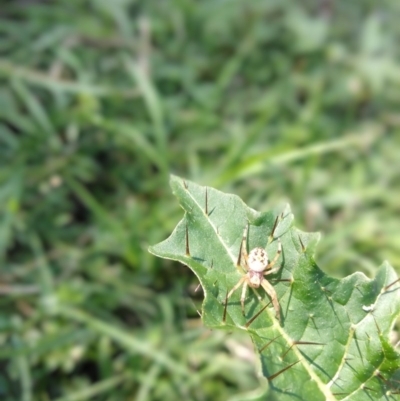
100	101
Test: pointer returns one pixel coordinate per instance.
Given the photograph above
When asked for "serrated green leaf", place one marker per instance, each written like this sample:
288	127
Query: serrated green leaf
332	341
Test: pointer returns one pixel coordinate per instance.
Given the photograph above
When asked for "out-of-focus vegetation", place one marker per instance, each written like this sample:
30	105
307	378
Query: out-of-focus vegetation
100	100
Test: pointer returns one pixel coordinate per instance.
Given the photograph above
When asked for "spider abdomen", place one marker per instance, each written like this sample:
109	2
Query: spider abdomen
258	260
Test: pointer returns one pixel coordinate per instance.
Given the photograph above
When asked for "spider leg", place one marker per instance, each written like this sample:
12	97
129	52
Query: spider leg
272	271
273	261
272	294
243	296
244	247
239	283
243	255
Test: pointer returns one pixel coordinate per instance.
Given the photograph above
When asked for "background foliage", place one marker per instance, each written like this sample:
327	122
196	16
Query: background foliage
101	100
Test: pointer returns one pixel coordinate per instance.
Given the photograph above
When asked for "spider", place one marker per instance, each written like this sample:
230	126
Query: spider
257	265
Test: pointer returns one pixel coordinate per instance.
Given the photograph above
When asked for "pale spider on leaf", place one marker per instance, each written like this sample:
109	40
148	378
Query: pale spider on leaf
257	265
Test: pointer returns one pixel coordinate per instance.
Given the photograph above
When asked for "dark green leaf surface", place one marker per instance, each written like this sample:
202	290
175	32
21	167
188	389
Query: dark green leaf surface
332	341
